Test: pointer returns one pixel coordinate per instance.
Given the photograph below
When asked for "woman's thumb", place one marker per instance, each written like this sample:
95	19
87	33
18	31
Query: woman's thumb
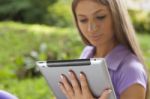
105	94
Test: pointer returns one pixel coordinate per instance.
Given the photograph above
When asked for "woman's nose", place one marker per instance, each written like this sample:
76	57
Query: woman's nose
92	27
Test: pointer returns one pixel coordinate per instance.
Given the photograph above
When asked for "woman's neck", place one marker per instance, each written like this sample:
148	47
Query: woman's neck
103	50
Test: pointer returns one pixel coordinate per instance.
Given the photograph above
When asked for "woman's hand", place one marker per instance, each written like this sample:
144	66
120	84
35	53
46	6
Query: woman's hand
78	90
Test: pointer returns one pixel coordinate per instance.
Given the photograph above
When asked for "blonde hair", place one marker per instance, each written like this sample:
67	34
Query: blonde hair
124	31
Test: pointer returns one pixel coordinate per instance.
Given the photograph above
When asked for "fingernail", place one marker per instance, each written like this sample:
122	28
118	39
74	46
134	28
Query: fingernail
81	75
109	90
70	73
61	76
59	83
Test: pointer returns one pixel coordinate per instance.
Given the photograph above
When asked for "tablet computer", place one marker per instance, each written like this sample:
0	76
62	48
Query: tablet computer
95	70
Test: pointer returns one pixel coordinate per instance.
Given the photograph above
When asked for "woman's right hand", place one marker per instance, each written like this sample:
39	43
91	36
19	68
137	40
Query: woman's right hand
105	94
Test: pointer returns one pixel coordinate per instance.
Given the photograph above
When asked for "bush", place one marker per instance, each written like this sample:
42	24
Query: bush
29	11
22	45
50	12
30	43
60	14
141	20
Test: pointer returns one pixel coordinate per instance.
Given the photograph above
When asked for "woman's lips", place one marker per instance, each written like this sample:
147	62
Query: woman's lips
95	36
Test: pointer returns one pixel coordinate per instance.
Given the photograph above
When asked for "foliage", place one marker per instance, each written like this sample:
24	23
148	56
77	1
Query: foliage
56	13
48	12
141	20
31	11
60	14
31	43
22	45
33	88
145	46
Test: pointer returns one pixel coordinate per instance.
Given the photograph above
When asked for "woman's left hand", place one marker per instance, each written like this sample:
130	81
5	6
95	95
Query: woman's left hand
75	89
79	89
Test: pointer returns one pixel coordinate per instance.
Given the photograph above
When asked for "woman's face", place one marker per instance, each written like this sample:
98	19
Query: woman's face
95	22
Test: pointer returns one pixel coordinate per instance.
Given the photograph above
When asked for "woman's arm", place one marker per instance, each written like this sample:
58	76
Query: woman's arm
135	91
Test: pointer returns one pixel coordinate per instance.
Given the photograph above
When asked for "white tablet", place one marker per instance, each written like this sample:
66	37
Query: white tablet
95	69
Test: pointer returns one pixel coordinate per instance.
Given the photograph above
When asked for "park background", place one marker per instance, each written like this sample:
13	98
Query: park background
32	30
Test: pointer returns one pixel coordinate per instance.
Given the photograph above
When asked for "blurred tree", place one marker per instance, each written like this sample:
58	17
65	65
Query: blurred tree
59	14
30	11
141	20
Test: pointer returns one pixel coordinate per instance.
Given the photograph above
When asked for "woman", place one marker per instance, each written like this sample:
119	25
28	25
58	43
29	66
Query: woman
105	28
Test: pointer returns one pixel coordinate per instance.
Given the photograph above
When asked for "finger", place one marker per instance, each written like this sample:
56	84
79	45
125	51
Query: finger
84	84
105	94
67	85
74	82
62	87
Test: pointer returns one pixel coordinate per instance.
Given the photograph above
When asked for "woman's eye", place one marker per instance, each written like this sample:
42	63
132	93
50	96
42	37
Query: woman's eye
100	17
83	20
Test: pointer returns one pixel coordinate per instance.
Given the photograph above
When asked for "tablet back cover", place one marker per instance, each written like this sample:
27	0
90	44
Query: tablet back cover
95	69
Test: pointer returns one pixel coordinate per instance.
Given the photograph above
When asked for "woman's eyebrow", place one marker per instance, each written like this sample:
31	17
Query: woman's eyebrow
94	12
99	10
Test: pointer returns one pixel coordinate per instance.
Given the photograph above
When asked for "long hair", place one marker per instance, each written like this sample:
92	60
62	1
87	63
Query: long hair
124	31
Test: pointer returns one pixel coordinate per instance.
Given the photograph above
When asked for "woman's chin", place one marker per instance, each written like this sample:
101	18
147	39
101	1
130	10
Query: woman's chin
96	43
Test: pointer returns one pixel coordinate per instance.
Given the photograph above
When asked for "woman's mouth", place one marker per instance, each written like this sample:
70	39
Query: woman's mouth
96	36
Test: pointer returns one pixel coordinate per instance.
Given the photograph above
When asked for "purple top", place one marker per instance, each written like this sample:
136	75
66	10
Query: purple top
6	95
124	67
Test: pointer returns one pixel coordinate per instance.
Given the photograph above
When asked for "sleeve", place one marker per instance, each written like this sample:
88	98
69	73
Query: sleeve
132	73
6	95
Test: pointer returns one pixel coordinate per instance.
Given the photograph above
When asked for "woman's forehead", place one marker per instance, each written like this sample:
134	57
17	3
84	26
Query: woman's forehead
90	7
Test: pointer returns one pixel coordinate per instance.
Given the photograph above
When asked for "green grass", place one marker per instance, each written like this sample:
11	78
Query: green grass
18	41
33	88
144	40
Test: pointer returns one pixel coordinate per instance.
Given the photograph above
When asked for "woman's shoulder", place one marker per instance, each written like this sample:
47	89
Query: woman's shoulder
126	69
132	63
131	71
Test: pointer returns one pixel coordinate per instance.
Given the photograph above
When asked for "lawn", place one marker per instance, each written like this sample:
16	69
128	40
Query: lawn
23	44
